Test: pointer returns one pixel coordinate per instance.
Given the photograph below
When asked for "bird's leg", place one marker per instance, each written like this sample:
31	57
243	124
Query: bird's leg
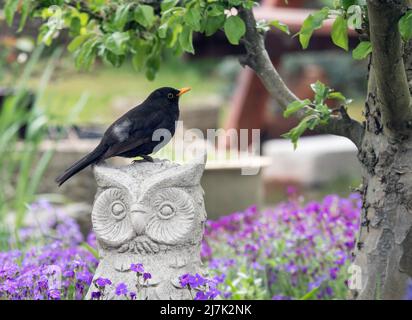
147	158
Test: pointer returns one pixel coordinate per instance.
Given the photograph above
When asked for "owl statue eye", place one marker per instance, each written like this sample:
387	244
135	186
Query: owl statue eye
170	95
173	216
110	216
118	210
167	211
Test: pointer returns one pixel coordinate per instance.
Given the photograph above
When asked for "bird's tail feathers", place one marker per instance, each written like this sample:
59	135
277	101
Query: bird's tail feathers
90	158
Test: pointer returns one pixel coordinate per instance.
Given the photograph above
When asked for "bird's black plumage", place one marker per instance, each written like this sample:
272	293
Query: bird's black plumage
132	134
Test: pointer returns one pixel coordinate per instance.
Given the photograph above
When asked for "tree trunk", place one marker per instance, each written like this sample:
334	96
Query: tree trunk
384	247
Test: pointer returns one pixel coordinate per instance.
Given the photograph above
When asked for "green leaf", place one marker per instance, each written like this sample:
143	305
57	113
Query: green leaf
121	16
294	134
347	3
117	42
295	106
142	50
162	31
173	36
144	15
168	4
152	67
114	59
405	26
234	29
75	25
85	56
310	24
77	42
340	33
310	294
213	23
25	11
186	40
338	96
362	50
193	17
214	10
10	9
321	91
280	26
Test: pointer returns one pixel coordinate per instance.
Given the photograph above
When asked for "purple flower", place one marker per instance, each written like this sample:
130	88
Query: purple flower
91	239
408	295
333	273
138	267
96	295
200	295
121	289
185	280
281	297
193	281
147	276
54	294
102	282
219	278
212	293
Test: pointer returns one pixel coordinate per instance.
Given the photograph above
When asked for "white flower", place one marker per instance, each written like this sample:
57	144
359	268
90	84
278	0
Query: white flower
22	57
232	12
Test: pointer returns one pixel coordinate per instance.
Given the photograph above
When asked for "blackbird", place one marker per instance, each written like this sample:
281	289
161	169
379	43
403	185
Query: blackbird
131	135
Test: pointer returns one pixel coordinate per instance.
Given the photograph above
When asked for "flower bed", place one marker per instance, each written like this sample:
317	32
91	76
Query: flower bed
292	251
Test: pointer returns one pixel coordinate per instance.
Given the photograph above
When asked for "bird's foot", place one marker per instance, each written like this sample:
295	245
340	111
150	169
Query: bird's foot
145	158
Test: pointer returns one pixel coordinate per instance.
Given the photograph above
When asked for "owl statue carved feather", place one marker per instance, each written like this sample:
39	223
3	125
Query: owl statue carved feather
151	213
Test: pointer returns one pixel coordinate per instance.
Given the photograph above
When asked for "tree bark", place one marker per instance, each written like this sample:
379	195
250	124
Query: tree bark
384	245
393	91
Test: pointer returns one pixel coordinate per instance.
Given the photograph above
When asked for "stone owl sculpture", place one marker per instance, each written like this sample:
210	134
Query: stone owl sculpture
149	213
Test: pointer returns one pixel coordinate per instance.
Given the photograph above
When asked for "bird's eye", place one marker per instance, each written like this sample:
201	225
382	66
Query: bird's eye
170	95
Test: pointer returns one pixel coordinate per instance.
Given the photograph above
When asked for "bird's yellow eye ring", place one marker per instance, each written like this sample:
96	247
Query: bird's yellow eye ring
170	95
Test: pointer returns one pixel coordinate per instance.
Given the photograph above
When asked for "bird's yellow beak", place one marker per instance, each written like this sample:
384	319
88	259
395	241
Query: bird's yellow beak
183	91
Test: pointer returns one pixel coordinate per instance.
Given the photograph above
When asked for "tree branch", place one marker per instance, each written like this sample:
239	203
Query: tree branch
388	65
258	59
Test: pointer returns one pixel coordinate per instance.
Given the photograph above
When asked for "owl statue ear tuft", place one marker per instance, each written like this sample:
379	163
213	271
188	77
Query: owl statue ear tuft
194	171
183	176
110	177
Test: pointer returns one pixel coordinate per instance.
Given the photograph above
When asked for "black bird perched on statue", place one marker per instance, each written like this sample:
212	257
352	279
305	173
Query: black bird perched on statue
132	134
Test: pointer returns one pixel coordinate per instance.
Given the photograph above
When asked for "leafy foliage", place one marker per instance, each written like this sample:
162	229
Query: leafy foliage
347	14
115	30
316	112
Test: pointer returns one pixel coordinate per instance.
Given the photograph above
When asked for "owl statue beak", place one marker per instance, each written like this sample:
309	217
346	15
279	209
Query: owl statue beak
139	216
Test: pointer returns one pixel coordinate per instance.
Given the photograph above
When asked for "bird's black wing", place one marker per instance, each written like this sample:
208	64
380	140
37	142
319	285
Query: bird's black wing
132	130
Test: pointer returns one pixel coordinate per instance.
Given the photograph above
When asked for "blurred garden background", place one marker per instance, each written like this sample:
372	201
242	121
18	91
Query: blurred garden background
285	233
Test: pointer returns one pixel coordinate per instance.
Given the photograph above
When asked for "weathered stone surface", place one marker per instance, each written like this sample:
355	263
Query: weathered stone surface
149	213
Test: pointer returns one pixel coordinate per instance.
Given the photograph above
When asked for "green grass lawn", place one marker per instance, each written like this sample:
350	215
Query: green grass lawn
112	91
